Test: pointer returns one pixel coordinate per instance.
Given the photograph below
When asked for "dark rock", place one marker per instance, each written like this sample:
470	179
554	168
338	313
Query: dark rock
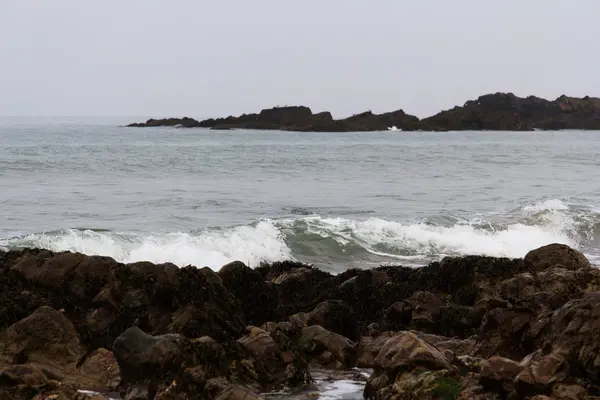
294	118
173	365
556	254
328	349
42	355
494	111
336	317
103	297
507	112
259	299
498	374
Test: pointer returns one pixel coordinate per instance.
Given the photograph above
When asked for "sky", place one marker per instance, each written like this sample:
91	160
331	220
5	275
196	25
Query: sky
217	58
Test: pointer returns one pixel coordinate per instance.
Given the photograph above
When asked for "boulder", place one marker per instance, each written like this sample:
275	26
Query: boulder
327	348
405	351
369	347
556	254
258	298
498	373
335	316
46	338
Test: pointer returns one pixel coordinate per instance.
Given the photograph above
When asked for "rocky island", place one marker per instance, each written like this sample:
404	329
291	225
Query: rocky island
497	112
87	327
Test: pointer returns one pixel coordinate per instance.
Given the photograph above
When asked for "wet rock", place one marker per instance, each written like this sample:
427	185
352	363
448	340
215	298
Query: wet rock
369	347
103	367
258	298
238	393
556	254
502	331
335	316
420	311
327	348
406	350
45	338
460	347
498	374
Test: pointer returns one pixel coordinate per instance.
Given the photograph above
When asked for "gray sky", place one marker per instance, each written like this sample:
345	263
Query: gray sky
216	58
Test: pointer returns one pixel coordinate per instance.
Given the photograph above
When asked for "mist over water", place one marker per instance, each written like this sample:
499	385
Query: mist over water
336	200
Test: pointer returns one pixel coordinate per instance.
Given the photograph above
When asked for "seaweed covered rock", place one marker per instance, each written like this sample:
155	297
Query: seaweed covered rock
103	297
43	354
335	316
173	365
258	298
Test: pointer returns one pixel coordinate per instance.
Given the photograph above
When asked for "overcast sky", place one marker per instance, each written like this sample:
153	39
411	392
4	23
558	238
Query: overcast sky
216	58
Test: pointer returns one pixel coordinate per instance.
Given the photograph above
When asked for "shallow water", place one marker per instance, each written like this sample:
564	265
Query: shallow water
334	199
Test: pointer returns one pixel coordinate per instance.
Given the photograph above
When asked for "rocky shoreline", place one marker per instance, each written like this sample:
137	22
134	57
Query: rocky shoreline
495	112
463	328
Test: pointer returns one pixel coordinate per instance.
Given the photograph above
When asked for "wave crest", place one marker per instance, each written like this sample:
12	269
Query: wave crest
336	243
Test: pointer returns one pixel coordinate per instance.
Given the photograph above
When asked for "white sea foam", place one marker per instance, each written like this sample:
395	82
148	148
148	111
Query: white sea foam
250	244
524	229
540	224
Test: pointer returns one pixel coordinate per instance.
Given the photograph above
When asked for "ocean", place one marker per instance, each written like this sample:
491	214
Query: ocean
335	200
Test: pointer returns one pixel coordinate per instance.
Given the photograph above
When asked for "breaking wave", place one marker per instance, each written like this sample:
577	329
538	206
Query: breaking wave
337	243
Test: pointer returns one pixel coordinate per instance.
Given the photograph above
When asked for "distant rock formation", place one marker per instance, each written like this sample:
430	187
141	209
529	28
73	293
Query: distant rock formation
507	112
295	118
498	111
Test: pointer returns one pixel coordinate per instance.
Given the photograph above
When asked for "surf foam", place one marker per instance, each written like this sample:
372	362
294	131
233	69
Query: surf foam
536	225
250	244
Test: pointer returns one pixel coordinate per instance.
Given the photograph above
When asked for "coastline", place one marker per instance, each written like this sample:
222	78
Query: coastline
490	112
465	327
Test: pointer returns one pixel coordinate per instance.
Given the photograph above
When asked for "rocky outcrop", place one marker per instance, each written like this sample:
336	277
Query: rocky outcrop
465	327
507	112
295	118
495	111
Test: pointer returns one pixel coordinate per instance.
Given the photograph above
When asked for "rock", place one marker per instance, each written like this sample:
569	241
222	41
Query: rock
144	358
507	112
570	392
168	366
294	118
406	351
460	347
539	373
258	298
420	311
46	338
327	348
42	356
494	111
569	343
102	297
102	365
502	331
418	385
556	254
238	393
498	374
335	316
369	347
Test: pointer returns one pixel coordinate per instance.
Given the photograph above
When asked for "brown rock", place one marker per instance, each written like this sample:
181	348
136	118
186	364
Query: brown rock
238	393
46	338
318	340
407	351
556	254
498	374
102	366
369	347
